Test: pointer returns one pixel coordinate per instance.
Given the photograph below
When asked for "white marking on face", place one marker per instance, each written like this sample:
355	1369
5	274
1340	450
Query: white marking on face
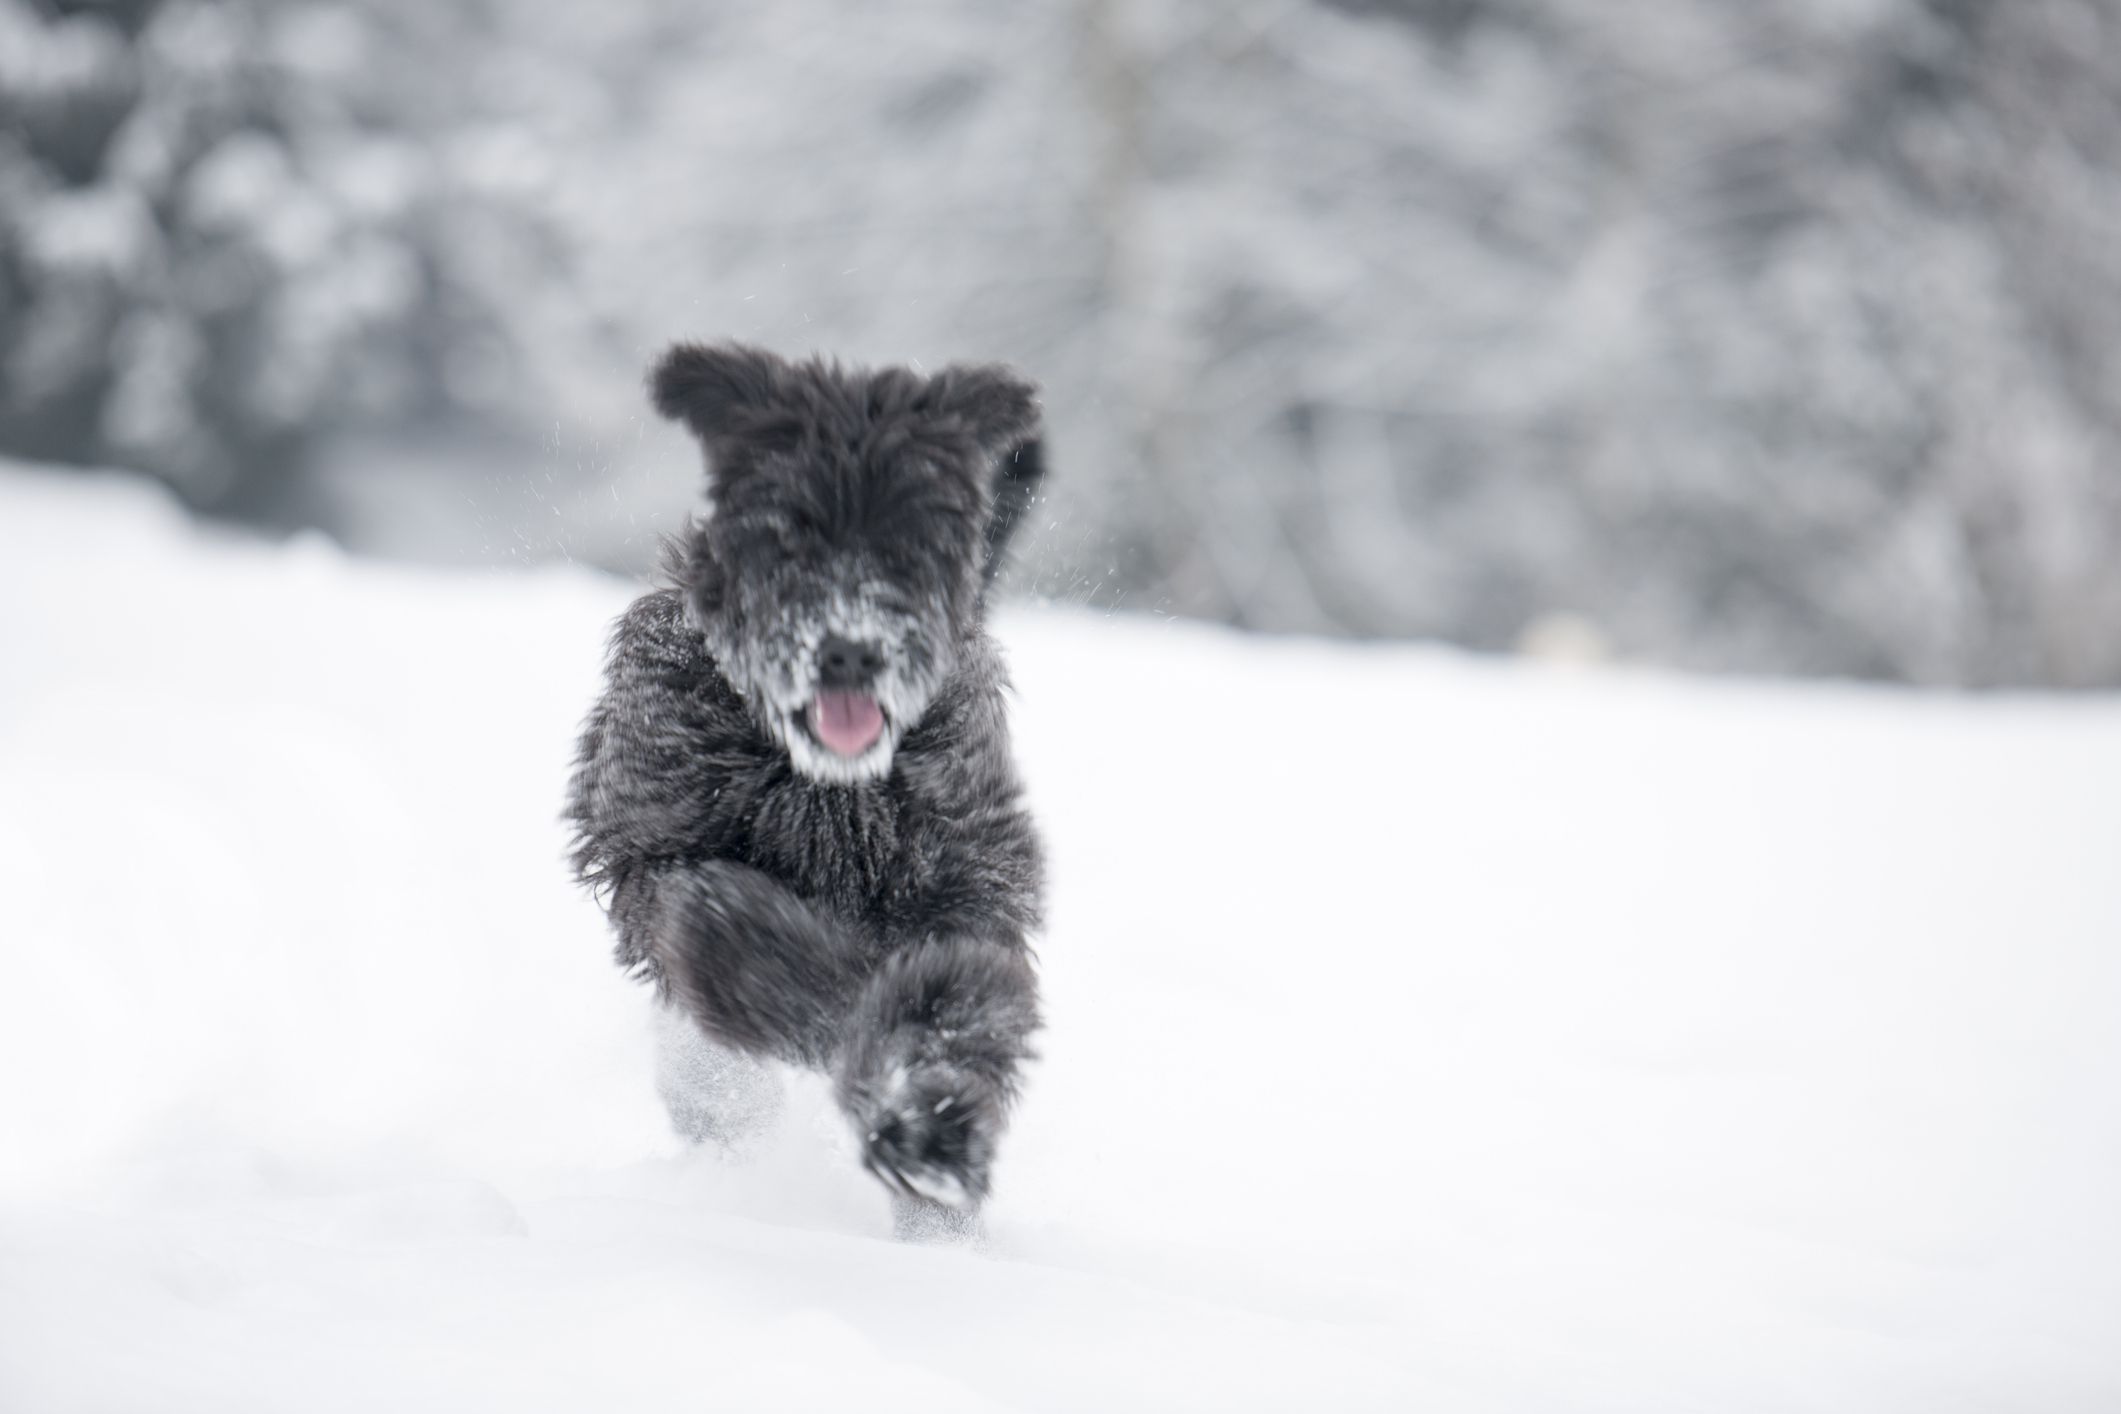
777	671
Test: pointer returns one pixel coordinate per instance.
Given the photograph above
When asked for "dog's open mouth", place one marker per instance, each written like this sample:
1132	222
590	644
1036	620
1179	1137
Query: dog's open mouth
848	723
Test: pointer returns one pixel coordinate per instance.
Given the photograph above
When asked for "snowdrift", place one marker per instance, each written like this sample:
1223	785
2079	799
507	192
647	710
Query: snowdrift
1424	1032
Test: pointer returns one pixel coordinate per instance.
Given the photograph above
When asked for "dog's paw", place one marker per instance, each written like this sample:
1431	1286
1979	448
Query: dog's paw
928	1133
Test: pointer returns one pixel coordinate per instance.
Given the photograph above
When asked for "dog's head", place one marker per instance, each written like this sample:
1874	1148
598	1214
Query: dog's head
854	521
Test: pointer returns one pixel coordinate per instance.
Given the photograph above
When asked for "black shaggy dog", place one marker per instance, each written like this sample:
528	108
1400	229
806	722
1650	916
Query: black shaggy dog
796	794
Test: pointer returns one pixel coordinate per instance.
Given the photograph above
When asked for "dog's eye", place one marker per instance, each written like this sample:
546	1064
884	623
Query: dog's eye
776	534
893	604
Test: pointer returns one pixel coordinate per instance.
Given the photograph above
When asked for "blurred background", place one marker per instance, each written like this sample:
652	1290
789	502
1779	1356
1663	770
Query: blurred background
1774	336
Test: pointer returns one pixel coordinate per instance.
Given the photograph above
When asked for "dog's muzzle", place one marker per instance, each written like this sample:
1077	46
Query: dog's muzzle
845	715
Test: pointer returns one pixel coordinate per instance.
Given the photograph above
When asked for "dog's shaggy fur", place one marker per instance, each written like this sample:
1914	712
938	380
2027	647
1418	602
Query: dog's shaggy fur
857	905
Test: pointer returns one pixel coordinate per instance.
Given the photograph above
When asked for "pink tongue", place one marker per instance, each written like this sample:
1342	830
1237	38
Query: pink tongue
848	722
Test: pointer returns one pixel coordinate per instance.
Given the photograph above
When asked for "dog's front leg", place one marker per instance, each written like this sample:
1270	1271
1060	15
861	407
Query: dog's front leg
934	1043
757	967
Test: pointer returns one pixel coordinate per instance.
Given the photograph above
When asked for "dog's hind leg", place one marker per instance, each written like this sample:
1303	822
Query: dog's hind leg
714	1093
933	1048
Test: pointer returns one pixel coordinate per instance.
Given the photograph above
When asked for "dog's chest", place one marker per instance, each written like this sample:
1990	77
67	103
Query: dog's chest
846	845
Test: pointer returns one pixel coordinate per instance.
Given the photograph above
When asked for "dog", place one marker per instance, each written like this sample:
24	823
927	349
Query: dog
795	796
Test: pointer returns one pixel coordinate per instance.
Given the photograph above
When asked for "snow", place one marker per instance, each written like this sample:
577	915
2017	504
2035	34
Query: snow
1423	1031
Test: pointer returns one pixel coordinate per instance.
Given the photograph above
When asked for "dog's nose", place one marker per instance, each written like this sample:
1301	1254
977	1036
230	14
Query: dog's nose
841	662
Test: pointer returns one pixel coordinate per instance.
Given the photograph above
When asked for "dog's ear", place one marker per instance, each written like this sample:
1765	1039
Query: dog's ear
1017	479
999	404
715	389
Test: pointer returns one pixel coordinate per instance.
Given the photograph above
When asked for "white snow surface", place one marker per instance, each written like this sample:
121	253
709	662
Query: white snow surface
1423	1032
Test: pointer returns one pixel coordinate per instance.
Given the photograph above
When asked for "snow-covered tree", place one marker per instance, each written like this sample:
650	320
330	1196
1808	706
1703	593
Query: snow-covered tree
1736	334
226	231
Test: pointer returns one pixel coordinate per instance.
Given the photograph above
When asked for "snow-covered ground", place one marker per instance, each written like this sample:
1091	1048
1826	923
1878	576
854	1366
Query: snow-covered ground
1424	1032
